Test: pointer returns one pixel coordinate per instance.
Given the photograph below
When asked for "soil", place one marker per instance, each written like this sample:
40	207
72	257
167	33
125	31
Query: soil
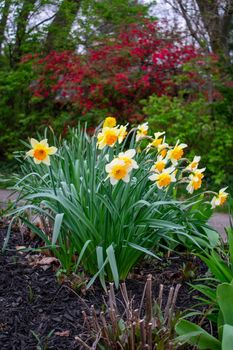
33	304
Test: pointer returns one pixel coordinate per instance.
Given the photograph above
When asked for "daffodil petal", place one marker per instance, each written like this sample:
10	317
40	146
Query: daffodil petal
52	150
46	160
30	153
113	181
36	161
33	142
44	142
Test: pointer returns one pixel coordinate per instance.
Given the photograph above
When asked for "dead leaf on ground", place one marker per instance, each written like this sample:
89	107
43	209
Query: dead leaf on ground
47	261
63	333
19	248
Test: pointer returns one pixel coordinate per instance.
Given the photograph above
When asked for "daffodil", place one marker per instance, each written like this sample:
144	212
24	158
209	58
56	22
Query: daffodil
109	122
195	180
122	133
176	153
220	198
157	139
164	178
194	164
159	165
142	131
41	151
127	157
162	148
117	170
107	137
199	173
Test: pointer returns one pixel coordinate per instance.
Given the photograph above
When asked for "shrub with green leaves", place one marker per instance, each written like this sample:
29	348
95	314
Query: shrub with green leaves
104	207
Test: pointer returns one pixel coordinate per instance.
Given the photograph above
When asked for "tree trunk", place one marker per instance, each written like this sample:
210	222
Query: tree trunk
5	13
217	24
59	29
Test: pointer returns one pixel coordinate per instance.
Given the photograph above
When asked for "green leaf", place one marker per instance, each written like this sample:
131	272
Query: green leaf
212	235
101	264
225	301
227	337
57	227
113	264
81	254
143	250
193	334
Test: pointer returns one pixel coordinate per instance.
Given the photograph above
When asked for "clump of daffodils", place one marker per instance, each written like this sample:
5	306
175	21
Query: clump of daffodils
165	165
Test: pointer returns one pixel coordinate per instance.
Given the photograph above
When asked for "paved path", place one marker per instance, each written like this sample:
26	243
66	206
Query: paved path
219	220
6	195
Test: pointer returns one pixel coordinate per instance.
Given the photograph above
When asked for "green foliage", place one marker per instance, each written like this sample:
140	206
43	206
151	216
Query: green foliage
14	106
101	19
195	335
203	126
110	227
220	264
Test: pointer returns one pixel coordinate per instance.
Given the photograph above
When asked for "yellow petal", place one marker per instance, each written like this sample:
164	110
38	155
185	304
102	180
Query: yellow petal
33	142
36	161
46	160
30	153
44	143
52	150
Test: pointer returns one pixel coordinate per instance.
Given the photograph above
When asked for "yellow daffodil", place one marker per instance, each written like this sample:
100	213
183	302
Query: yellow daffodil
159	165
194	164
109	122
117	170
122	133
220	198
195	180
41	151
157	139
127	158
107	137
162	148
176	153
164	178
199	173
142	131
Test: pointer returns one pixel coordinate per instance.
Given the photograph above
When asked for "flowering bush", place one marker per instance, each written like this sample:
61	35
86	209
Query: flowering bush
117	72
109	201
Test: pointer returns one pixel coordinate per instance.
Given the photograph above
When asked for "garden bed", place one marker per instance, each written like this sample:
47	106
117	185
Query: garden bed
32	301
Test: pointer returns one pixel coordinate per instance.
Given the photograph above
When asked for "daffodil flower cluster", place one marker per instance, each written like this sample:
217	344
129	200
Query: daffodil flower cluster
167	165
111	133
165	168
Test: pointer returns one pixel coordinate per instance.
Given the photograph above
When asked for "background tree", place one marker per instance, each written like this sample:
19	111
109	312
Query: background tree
5	7
209	23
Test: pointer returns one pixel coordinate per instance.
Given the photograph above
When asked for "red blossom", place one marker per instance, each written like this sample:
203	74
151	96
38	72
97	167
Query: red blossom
117	73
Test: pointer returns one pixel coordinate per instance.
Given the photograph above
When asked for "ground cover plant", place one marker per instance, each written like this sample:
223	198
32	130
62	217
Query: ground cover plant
107	200
197	336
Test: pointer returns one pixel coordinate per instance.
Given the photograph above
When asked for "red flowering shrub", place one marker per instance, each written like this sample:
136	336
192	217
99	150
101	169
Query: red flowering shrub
117	73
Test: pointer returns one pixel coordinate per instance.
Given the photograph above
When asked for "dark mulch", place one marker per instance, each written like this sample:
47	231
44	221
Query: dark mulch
31	300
